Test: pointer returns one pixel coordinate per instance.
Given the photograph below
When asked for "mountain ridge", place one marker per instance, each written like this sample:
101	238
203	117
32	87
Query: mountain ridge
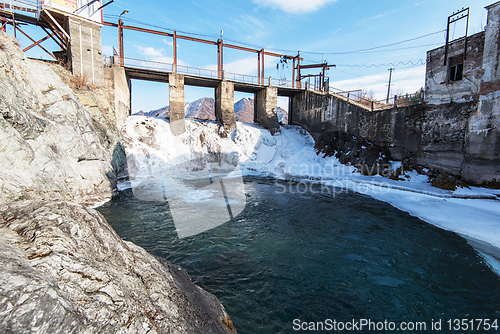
204	108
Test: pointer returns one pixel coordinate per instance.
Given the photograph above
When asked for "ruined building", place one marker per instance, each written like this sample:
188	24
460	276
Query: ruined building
470	73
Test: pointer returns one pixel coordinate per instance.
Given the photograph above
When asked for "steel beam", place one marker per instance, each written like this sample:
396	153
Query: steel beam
262	67
58	42
220	50
31	39
57	24
218	61
38	42
175	51
120	42
258	67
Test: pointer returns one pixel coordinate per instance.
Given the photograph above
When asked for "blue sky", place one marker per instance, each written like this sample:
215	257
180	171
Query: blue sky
321	29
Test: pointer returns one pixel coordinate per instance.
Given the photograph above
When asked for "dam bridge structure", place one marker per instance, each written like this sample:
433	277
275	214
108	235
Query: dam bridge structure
75	27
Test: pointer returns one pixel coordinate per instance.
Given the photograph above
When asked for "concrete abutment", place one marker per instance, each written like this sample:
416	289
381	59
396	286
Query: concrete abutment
119	86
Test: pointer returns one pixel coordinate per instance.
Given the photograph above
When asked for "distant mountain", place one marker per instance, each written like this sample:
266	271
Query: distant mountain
282	115
162	112
243	110
204	108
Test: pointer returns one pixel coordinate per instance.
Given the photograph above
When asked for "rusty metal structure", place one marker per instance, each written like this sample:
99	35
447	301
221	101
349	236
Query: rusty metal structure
220	50
51	16
20	13
457	16
322	82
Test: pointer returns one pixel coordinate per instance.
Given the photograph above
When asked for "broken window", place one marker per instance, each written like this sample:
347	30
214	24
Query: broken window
455	68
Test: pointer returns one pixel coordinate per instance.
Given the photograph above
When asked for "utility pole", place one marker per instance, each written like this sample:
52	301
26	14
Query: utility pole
389	88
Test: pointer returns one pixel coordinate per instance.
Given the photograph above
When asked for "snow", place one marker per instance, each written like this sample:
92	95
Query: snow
472	213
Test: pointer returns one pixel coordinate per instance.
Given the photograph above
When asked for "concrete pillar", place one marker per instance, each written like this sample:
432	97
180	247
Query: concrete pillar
224	106
177	113
119	88
85	52
266	109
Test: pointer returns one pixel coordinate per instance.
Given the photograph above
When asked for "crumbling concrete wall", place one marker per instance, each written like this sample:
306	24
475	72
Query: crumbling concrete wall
435	136
438	88
483	135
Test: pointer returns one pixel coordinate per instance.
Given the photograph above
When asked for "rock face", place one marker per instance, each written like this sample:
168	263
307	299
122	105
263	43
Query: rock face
50	145
64	270
368	158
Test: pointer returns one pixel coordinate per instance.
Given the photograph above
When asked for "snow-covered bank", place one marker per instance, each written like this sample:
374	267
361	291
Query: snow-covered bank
473	213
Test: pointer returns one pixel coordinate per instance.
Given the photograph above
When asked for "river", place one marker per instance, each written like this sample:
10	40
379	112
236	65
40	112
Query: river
294	259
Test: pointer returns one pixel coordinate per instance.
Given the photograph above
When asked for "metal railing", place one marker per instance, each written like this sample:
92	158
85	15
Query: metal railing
358	97
30	6
244	78
353	96
200	72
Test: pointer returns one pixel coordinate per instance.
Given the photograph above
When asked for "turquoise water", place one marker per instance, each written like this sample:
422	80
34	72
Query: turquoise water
313	257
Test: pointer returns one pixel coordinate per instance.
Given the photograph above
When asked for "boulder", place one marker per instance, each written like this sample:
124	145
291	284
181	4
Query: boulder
64	270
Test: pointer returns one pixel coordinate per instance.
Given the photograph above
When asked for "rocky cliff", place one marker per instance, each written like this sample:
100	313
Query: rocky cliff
51	145
64	270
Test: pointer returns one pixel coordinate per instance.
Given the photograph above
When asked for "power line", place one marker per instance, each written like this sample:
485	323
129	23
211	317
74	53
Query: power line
376	47
418	63
290	51
373	49
159	27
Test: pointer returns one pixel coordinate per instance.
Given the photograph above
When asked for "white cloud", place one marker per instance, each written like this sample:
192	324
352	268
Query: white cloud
156	58
170	60
107	50
166	41
150	51
403	81
295	6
